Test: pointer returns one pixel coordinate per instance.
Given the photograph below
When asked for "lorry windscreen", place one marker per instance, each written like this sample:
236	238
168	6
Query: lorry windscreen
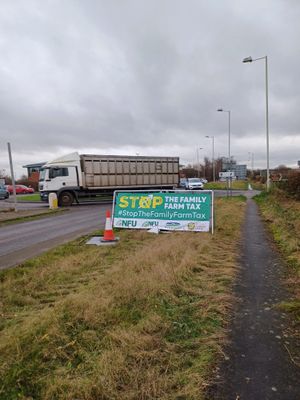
42	174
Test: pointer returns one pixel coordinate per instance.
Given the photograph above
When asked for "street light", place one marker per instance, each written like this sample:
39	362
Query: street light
198	165
213	156
249	60
251	158
229	155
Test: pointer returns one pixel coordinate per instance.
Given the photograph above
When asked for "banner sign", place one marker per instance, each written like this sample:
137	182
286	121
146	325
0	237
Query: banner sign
181	210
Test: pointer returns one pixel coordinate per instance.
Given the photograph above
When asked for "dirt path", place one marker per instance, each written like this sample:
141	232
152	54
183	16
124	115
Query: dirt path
258	365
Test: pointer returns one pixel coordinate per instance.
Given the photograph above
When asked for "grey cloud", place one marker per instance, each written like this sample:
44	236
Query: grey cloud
127	75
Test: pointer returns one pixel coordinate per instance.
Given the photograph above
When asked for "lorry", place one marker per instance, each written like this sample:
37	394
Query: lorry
76	176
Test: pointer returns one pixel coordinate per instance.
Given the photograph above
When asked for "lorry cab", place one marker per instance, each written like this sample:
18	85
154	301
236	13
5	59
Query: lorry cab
54	178
61	176
58	179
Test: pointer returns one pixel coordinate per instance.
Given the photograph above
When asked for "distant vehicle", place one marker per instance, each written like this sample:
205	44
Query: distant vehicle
75	176
203	180
194	184
20	189
4	194
182	183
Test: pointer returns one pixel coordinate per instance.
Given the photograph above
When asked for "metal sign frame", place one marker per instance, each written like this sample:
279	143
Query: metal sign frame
212	220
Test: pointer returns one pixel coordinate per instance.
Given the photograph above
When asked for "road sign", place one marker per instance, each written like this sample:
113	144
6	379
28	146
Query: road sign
227	174
180	211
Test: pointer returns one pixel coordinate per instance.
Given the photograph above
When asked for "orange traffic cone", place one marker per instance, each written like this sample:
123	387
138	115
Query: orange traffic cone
108	231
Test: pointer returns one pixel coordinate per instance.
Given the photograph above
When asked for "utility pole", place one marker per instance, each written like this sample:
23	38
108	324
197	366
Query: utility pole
213	157
251	158
198	162
12	177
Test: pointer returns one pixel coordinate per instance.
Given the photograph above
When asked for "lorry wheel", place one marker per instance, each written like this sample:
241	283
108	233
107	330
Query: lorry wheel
65	199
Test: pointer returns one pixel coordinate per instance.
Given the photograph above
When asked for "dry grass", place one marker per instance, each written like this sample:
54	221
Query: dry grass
282	215
142	320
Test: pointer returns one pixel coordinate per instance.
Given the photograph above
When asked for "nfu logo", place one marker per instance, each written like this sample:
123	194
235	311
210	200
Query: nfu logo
129	223
150	224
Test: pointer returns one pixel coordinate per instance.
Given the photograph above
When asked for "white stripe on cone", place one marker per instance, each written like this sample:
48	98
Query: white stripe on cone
108	224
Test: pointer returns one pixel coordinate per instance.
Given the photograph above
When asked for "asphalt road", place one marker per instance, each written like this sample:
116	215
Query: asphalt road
21	241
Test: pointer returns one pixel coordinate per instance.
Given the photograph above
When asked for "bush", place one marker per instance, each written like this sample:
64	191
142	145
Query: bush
292	184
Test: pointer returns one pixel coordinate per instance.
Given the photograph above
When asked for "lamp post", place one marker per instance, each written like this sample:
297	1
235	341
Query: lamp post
249	60
198	165
213	156
229	117
251	158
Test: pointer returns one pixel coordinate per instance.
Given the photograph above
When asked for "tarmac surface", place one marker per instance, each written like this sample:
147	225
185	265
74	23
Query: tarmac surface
258	364
24	240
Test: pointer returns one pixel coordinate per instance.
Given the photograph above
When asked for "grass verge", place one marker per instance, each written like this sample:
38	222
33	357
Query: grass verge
236	185
282	215
10	216
142	320
30	197
36	198
257	185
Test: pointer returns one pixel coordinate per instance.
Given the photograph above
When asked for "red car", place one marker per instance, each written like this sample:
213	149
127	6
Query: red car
20	189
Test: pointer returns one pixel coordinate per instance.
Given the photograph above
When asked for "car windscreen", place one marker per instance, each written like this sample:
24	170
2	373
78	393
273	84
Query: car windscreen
194	180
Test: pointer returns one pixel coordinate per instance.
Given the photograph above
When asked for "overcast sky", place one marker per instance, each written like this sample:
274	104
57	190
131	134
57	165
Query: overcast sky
137	76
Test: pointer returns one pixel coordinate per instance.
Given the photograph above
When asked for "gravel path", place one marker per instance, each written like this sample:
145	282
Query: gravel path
257	363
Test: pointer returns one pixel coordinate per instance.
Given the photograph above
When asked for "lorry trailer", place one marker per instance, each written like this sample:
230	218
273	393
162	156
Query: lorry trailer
77	176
